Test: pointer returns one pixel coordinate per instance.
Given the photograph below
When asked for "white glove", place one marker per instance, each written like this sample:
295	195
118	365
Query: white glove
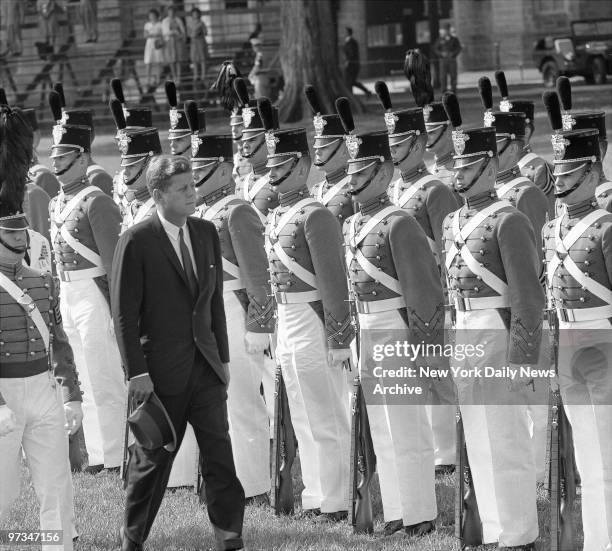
8	421
336	357
74	416
256	343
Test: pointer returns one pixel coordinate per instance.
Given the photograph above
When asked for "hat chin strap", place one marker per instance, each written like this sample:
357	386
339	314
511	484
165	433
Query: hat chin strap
63	171
398	163
331	156
207	177
138	174
565	193
476	177
278	182
435	142
20	250
372	178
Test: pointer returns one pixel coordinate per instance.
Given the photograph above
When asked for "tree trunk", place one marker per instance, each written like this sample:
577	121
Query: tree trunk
308	56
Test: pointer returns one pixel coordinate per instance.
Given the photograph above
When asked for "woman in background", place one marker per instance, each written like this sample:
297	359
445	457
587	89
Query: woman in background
174	36
196	31
154	47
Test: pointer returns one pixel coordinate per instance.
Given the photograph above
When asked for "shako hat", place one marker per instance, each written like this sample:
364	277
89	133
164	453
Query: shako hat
206	149
136	144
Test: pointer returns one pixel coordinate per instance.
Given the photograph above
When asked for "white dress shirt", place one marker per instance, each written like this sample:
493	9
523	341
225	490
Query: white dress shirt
173	234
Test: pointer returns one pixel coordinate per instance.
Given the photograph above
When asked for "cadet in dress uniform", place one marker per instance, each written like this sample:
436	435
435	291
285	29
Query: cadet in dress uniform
396	284
249	308
40	174
241	165
331	157
578	249
85	226
304	244
133	117
256	187
31	415
428	200
531	165
179	134
138	146
96	174
579	121
511	186
439	142
492	267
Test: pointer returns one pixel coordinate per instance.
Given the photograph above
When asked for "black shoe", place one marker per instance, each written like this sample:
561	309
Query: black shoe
444	469
392	527
329	518
526	547
127	544
112	470
420	528
261	499
94	469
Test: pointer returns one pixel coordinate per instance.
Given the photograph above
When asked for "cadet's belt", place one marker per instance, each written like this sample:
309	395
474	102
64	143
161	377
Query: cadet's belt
296	298
482	303
585	314
77	275
376	306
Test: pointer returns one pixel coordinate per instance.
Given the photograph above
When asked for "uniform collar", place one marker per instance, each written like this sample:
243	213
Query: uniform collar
442	161
292	197
334	177
75	187
581	209
372	206
211	198
482	200
508	174
11	269
260	169
142	194
414	174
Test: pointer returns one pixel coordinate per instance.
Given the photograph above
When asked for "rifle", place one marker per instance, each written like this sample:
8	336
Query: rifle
560	451
468	526
283	449
362	464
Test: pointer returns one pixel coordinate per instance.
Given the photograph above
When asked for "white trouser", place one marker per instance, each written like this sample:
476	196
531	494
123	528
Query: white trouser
87	323
499	445
585	377
248	418
319	408
401	433
40	430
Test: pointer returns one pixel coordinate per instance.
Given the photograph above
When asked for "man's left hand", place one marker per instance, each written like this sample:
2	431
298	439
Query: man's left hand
336	357
74	416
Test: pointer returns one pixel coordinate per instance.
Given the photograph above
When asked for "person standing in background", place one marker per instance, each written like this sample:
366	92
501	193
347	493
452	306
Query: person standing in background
447	48
13	14
196	31
89	17
49	11
351	63
256	76
154	47
174	35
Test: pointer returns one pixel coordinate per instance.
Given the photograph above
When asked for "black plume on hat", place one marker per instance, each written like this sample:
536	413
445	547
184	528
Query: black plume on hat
313	99
343	107
55	102
486	92
118	115
418	72
240	88
171	93
59	88
564	89
383	94
117	89
264	107
3	99
191	112
500	78
224	84
451	106
553	108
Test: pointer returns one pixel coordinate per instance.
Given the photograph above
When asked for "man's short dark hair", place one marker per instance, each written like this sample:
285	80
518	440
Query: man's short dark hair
349	31
161	169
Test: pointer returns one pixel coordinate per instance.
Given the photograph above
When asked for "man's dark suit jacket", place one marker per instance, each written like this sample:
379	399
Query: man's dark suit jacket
158	323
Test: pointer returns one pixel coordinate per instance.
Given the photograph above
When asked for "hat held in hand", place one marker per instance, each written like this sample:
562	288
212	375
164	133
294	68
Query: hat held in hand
151	425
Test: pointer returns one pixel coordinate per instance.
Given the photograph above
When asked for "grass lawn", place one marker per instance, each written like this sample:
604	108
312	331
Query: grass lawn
182	524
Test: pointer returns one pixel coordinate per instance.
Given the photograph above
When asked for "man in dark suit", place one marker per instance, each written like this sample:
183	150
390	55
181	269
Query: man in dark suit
169	319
